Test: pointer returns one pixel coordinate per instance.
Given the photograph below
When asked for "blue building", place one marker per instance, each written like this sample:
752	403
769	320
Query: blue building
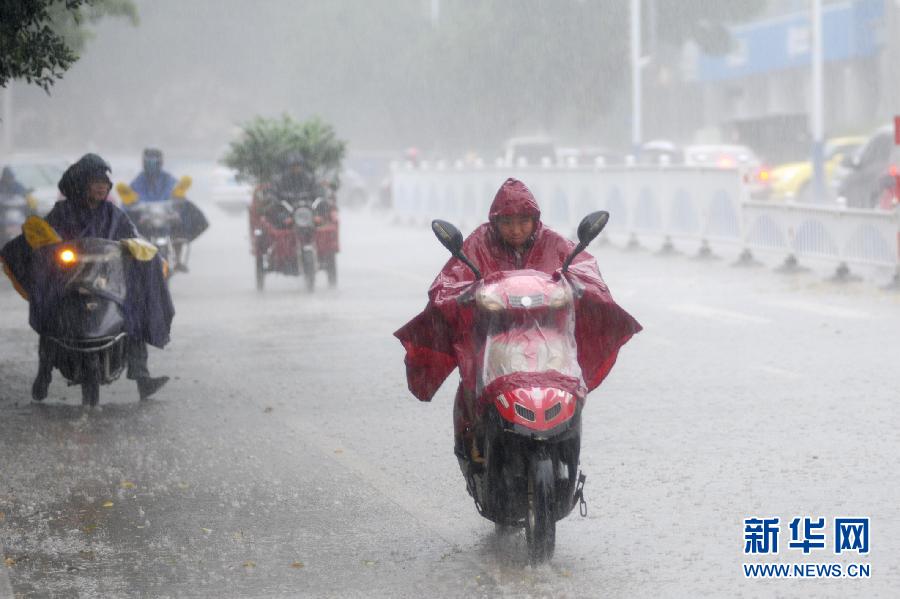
762	89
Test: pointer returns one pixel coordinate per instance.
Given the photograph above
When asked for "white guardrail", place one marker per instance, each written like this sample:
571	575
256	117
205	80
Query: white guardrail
661	205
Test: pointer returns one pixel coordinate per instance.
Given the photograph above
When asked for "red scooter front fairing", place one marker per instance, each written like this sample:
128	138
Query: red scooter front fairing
526	352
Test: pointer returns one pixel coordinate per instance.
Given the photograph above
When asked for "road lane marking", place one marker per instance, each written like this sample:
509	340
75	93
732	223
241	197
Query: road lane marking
820	309
718	314
782	372
401	274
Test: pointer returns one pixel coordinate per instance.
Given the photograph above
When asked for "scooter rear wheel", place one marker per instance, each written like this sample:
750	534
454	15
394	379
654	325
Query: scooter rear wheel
540	521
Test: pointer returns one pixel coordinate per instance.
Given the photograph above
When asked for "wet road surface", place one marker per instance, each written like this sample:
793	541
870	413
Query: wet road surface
286	457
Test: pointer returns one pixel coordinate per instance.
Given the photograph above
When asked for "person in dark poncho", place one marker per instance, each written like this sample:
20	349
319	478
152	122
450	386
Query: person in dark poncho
513	238
153	184
85	213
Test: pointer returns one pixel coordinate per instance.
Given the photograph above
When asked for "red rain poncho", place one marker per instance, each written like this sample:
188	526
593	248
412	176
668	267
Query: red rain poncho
439	338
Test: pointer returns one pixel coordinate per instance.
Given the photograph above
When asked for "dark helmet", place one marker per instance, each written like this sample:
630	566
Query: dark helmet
152	160
294	159
74	182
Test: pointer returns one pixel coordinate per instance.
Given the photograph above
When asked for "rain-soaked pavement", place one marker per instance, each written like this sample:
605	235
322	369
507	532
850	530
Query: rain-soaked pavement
286	457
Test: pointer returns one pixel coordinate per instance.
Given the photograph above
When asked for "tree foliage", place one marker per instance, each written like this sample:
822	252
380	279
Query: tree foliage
40	39
263	144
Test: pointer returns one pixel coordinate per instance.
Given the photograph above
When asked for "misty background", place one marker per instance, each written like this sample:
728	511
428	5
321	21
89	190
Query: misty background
451	77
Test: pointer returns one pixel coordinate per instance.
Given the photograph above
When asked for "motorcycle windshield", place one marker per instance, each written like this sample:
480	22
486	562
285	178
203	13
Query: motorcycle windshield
159	210
527	322
88	266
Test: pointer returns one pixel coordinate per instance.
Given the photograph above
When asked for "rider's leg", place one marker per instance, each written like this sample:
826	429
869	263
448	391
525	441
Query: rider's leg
136	358
45	370
463	409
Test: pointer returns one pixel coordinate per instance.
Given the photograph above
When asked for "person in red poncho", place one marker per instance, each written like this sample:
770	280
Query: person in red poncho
513	238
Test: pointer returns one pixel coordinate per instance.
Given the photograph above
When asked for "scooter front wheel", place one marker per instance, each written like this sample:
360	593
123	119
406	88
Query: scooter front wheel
309	270
90	393
540	520
260	272
331	269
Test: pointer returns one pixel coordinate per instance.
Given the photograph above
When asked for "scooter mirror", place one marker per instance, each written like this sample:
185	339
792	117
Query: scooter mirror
180	190
452	239
448	235
591	225
588	229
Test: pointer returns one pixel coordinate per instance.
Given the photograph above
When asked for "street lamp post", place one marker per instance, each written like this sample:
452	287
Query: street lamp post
636	100
7	124
435	12
818	102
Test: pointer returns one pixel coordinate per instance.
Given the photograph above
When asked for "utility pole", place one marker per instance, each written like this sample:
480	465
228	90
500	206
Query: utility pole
7	124
435	12
636	100
818	102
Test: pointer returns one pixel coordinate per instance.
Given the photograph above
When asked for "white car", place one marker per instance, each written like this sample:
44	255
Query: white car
756	177
228	193
39	175
353	192
529	151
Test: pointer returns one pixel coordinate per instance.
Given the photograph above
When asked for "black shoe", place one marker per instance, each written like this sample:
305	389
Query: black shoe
149	385
40	386
181	268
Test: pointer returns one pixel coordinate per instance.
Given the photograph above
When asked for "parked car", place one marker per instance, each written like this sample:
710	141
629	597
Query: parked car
794	180
228	193
588	156
870	170
661	151
353	192
40	176
532	151
755	175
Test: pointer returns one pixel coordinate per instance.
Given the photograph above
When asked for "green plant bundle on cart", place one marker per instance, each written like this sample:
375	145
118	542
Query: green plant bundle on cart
257	155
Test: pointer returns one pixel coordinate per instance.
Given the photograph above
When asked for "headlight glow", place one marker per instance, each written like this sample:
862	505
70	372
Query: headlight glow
560	297
303	216
68	257
488	301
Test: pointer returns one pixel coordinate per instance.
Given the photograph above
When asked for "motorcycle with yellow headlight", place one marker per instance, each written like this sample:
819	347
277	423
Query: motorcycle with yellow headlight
171	225
83	289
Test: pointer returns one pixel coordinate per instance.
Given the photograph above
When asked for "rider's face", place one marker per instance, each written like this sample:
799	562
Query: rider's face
97	191
515	229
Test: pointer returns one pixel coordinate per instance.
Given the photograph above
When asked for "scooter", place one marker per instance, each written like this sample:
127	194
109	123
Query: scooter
522	465
85	323
295	238
156	221
162	222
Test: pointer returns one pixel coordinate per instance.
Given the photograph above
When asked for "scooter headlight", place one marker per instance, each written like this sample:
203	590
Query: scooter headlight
561	296
303	217
488	300
67	257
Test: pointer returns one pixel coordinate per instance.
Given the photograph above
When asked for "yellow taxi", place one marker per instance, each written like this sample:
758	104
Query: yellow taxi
793	181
